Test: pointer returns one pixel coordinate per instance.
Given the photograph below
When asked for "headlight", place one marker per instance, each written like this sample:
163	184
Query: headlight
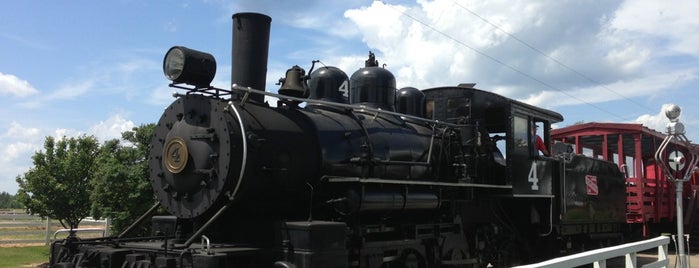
184	65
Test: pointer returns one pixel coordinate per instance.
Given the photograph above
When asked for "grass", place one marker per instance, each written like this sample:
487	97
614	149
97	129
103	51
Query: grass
17	226
30	256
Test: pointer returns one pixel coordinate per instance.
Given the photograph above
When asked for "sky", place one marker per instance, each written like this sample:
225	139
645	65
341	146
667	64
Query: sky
70	68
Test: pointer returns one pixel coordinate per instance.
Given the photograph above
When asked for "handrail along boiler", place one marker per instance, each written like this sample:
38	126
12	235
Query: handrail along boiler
362	175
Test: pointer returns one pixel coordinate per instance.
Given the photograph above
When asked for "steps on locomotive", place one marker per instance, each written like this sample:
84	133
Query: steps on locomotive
694	238
693	227
693	231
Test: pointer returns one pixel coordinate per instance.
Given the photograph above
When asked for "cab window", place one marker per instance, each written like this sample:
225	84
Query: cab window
521	135
429	109
539	130
458	108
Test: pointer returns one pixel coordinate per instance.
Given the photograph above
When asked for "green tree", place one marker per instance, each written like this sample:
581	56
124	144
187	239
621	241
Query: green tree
122	190
8	201
58	186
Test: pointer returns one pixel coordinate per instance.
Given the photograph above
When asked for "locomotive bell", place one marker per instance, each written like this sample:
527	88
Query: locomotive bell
293	82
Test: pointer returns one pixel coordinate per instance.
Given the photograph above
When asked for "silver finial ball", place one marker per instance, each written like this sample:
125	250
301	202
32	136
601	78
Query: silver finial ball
672	112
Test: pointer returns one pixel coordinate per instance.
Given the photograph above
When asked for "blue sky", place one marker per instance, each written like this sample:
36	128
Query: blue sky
93	67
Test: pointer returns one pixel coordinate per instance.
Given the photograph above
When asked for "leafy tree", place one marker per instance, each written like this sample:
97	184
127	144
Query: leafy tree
58	186
122	190
8	201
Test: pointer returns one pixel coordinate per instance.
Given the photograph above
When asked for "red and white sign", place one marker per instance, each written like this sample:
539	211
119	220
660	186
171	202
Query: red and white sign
591	183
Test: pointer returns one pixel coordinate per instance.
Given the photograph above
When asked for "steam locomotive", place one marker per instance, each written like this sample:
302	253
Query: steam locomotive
352	172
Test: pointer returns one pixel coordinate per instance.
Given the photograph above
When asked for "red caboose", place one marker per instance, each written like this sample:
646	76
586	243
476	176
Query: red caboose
650	199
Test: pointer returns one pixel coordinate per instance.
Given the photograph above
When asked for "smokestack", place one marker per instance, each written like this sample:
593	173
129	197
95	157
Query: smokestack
250	49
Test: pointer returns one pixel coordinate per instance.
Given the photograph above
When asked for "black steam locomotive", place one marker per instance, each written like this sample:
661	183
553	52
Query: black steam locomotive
350	172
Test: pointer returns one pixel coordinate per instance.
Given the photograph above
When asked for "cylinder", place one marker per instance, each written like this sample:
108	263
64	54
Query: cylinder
394	201
250	50
390	201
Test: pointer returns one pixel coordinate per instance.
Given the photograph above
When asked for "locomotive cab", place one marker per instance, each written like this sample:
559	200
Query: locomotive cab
490	124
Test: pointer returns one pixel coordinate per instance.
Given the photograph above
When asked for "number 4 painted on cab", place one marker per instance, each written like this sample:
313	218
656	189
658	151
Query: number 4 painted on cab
533	177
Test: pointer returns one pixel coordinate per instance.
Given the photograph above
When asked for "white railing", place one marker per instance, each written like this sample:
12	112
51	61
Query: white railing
599	257
79	230
104	231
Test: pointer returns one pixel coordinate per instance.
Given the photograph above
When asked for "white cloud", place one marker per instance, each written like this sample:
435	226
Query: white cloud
629	58
16	141
14	86
171	26
111	128
519	45
135	66
161	96
17	131
314	14
657	121
644	86
17	144
551	55
128	78
60	133
72	90
673	24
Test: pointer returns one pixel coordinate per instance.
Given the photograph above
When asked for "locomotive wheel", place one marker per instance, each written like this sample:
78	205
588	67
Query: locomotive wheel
409	258
454	257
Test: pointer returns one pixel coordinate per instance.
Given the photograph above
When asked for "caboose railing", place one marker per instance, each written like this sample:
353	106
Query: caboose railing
648	200
599	257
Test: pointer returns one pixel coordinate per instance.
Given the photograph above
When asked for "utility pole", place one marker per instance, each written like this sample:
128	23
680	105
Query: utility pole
678	170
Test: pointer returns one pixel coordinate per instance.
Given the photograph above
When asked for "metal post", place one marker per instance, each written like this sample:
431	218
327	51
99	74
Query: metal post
48	231
107	226
674	163
682	260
